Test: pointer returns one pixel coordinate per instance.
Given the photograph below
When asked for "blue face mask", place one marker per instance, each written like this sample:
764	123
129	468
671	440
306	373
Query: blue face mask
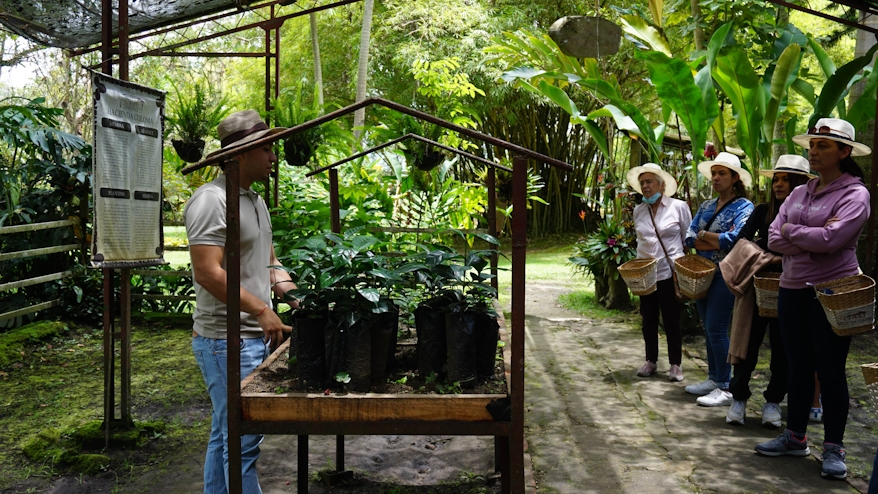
652	200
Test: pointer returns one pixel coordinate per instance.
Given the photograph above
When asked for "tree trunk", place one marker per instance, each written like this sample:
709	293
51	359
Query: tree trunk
699	34
617	291
362	71
315	48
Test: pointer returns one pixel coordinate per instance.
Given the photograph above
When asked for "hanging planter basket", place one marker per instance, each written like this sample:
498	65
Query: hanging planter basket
189	151
429	160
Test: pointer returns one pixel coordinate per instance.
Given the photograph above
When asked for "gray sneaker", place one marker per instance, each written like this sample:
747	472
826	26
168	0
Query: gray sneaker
784	444
702	388
737	412
833	462
771	415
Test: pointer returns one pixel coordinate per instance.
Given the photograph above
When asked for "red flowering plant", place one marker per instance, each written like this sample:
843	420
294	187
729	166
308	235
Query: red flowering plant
614	243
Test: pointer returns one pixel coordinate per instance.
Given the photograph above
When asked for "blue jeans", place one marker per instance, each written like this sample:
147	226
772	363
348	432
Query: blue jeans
873	484
716	314
211	356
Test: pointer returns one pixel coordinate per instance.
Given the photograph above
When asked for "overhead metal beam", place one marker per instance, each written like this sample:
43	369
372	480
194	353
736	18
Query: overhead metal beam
266	24
833	18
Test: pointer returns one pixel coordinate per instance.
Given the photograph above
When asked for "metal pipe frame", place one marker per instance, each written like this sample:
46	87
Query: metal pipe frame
474	134
831	17
400	139
509	436
266	24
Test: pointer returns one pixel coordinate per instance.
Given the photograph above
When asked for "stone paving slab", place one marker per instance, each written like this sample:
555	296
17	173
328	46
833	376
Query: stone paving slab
593	426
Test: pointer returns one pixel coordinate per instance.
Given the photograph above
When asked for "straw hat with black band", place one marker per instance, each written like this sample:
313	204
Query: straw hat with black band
240	128
633	177
729	161
834	129
790	163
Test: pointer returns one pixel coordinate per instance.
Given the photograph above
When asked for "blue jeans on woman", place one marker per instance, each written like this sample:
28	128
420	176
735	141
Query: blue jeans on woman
715	311
811	345
211	355
873	484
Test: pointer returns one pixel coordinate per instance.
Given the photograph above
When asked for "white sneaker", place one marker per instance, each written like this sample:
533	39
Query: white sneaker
771	415
701	388
716	398
737	412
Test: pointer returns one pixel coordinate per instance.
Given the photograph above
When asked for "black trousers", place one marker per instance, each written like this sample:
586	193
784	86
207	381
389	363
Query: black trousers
777	386
811	345
662	302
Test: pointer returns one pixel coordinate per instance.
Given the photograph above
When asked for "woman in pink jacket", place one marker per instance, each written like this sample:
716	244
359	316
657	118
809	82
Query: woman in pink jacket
817	230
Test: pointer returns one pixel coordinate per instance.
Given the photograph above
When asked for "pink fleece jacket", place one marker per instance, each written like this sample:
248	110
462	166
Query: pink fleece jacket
812	252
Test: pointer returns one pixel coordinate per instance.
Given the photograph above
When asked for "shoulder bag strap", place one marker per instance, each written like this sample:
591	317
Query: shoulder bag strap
710	223
659	236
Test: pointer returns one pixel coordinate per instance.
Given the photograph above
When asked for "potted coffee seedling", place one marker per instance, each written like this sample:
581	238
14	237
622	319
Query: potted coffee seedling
192	116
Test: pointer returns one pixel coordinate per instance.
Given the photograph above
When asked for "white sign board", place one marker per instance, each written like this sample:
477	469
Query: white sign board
127	165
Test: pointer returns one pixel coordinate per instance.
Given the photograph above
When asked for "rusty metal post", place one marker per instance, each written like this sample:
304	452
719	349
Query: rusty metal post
233	323
107	37
123	40
302	457
125	344
109	361
275	202
519	254
333	200
870	223
492	220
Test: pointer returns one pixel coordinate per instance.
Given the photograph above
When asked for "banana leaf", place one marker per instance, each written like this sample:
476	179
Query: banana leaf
655	8
837	86
676	88
823	58
739	82
785	72
717	41
597	134
653	38
805	90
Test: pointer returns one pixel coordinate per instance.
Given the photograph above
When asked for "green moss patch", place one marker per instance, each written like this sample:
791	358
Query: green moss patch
14	342
75	448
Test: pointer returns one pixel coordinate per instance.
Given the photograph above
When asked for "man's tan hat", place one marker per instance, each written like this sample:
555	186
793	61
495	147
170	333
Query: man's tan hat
240	128
789	163
729	161
634	174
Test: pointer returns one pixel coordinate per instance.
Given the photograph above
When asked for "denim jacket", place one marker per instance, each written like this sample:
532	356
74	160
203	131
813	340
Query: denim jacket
728	224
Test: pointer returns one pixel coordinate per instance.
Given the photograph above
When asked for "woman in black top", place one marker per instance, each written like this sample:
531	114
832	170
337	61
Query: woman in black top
789	172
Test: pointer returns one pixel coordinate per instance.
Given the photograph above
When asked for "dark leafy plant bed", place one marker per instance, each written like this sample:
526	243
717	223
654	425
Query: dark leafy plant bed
403	378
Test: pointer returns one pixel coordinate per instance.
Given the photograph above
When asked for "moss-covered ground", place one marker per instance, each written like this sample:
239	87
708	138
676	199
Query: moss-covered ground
51	404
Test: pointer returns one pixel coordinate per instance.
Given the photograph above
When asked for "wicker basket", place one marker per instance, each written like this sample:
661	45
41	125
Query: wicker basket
849	304
870	375
639	275
694	274
767	284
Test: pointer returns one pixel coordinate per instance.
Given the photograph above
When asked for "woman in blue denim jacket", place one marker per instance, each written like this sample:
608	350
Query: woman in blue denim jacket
713	232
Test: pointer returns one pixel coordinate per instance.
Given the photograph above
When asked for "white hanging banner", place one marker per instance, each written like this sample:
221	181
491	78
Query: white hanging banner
127	173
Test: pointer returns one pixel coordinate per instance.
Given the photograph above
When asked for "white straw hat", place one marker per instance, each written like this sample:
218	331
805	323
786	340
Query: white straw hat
729	161
240	128
790	163
834	129
634	174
